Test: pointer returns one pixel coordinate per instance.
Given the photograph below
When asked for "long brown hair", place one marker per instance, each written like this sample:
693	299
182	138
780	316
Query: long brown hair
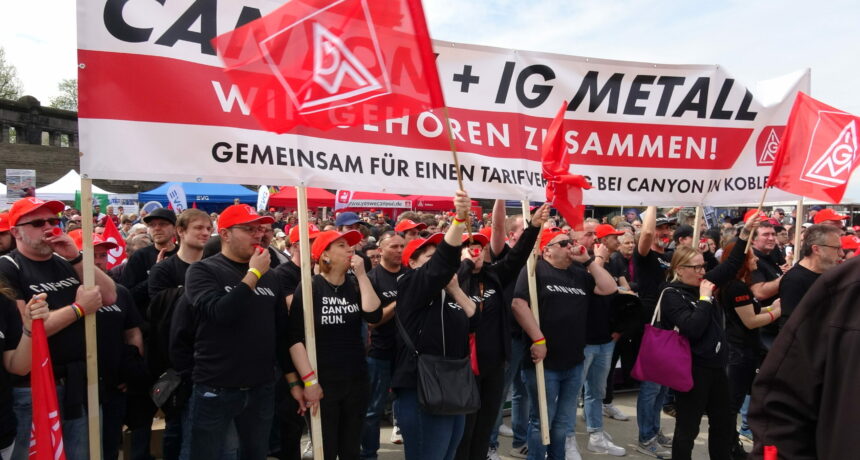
743	273
6	290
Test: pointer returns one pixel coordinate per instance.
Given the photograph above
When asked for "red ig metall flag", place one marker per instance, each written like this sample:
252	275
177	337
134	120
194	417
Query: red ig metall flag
818	151
46	438
117	255
563	190
327	63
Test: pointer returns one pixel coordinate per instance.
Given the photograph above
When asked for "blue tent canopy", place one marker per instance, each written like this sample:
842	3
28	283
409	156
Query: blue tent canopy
211	197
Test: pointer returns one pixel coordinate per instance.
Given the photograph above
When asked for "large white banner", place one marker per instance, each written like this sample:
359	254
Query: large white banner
156	105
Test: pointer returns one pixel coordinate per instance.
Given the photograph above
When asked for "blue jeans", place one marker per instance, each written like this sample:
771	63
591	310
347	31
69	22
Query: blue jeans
75	432
212	409
426	436
519	398
649	404
379	372
598	359
562	390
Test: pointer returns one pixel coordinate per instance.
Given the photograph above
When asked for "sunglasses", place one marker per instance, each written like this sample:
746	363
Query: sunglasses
39	223
562	243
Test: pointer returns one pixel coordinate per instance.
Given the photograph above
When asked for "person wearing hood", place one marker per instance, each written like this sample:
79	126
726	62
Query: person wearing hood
688	304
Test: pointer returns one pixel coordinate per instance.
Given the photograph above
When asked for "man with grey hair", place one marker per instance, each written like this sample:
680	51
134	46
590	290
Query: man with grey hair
820	250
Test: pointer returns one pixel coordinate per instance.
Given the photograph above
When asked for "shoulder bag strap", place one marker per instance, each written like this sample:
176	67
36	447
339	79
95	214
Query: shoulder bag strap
405	335
442	315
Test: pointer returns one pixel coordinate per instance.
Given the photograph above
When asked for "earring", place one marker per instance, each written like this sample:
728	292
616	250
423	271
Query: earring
326	261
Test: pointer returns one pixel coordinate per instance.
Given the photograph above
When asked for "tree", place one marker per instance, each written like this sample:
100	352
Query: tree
68	98
10	86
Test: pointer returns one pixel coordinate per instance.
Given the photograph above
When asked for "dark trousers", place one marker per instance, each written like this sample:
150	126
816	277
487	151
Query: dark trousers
479	425
291	425
343	408
212	409
113	412
710	395
743	367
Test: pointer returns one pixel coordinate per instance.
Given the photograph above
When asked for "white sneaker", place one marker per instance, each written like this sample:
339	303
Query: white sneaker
520	452
396	437
601	443
614	413
493	454
506	431
571	450
308	452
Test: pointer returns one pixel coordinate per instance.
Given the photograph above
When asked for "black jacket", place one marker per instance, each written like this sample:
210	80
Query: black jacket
702	322
805	400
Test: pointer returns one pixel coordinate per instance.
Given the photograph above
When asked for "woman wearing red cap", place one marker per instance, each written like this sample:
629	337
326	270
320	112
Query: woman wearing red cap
437	323
340	301
484	284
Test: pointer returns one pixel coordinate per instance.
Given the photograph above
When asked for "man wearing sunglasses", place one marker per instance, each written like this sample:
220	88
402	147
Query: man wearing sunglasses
564	292
49	262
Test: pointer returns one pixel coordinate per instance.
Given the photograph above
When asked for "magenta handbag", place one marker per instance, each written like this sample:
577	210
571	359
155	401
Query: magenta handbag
664	356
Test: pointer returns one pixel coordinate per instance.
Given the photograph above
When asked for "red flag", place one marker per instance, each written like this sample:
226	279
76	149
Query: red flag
563	190
46	437
117	255
194	205
818	151
324	63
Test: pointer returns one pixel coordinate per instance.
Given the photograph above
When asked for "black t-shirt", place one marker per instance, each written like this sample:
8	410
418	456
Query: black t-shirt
792	288
767	270
135	276
10	335
337	325
112	321
382	337
58	279
170	273
599	318
735	294
237	327
290	275
650	273
563	298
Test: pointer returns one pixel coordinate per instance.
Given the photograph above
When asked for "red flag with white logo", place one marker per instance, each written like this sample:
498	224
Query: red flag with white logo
818	151
325	63
117	255
46	437
563	190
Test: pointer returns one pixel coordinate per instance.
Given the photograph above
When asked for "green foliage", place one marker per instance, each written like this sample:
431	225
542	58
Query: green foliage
68	98
10	86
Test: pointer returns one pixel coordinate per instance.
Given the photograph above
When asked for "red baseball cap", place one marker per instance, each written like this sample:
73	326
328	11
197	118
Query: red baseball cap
548	234
407	224
827	214
419	243
325	239
479	238
238	214
604	230
313	231
4	222
30	204
486	231
753	212
98	240
850	242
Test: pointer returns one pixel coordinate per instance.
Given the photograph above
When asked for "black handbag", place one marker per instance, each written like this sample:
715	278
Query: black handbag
445	386
165	387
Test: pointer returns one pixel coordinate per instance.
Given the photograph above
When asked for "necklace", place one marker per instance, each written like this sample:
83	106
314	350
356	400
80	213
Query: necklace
332	286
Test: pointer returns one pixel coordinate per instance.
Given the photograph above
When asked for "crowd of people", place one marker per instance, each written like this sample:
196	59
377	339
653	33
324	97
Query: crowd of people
208	311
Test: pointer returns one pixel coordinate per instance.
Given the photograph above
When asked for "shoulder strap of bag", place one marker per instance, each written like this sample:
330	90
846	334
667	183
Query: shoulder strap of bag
442	316
656	315
405	335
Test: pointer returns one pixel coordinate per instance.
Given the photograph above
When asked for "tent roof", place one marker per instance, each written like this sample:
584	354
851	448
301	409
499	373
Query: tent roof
287	197
195	191
64	188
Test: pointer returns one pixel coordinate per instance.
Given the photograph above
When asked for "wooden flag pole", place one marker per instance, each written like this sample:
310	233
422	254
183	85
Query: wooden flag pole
533	301
758	211
308	308
93	418
456	162
696	226
799	217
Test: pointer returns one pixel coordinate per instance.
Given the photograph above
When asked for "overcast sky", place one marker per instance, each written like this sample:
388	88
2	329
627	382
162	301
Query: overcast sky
753	40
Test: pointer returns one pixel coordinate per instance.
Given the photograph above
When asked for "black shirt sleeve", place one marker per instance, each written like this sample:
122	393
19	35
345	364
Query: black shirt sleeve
521	290
210	299
296	325
727	270
691	322
159	278
508	268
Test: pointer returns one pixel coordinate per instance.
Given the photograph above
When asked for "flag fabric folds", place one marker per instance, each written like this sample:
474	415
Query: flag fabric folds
46	437
563	190
325	63
117	255
818	151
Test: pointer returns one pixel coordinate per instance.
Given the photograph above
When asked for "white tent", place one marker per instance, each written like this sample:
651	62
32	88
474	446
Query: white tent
64	189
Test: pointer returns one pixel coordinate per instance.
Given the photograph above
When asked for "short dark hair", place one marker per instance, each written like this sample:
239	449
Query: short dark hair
764	224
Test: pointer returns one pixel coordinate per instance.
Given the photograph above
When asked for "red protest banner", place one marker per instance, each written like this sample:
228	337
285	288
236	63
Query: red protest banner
818	151
318	62
563	190
46	437
117	255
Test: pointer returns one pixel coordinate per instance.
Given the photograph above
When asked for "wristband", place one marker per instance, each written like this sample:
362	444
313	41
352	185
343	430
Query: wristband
540	341
27	332
295	384
255	272
772	318
456	221
706	298
311	374
311	383
77	259
79	311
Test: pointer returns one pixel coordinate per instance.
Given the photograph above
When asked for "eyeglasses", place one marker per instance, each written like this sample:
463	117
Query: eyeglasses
562	243
39	223
696	267
251	230
838	248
